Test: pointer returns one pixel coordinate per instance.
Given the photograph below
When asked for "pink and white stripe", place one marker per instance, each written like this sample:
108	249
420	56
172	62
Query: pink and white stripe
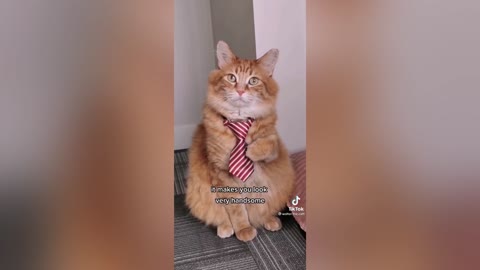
299	162
240	165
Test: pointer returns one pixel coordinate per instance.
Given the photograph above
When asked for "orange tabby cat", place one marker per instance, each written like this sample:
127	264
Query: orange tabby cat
240	89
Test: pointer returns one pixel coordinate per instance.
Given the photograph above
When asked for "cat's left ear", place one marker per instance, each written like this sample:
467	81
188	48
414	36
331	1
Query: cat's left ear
225	55
268	61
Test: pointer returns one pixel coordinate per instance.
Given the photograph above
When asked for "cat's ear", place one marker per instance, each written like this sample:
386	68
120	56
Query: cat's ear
225	55
268	61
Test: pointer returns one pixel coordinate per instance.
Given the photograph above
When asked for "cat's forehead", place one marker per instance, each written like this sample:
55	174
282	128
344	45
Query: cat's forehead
243	66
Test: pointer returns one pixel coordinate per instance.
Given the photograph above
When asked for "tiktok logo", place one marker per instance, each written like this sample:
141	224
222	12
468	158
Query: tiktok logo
295	201
296	210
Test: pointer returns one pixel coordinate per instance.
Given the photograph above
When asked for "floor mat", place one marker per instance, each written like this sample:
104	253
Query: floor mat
180	170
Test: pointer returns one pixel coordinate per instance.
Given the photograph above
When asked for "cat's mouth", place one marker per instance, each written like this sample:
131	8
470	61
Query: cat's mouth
240	102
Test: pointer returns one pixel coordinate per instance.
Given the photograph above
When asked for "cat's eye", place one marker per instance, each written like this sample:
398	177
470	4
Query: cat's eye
231	78
253	81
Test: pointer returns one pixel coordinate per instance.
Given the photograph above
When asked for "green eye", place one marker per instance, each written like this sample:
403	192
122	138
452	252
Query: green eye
231	78
253	81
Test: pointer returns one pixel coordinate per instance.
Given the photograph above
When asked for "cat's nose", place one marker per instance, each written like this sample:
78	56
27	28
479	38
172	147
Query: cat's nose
240	92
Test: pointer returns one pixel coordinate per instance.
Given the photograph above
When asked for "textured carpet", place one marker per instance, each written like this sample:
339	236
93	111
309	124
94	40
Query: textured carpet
198	247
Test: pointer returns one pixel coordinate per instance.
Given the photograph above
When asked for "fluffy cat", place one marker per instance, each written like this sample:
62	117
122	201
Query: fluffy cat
238	90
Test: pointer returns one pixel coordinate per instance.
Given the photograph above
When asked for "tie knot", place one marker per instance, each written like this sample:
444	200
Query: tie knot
239	128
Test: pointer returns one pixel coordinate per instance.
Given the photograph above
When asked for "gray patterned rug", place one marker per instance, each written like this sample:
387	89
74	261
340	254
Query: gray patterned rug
198	247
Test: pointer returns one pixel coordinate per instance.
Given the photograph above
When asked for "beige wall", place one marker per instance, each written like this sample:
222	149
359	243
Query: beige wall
43	48
429	100
194	56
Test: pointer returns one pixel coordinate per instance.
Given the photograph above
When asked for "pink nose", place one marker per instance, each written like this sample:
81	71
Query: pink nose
240	92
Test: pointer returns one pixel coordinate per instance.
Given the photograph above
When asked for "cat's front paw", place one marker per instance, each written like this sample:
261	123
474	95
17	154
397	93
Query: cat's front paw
248	139
246	234
260	152
273	224
254	153
224	231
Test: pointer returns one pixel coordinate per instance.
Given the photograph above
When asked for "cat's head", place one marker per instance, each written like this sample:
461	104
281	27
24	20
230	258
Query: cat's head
242	88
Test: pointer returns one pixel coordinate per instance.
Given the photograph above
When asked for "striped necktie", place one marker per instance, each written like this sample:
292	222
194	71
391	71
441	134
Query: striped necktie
240	165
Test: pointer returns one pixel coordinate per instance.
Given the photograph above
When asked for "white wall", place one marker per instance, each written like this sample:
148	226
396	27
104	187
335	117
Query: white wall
194	59
281	24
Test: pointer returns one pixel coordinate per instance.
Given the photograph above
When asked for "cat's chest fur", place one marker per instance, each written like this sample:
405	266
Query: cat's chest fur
232	112
257	178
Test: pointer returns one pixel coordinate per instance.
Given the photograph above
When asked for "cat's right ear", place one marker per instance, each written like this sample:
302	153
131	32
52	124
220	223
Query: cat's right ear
225	56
